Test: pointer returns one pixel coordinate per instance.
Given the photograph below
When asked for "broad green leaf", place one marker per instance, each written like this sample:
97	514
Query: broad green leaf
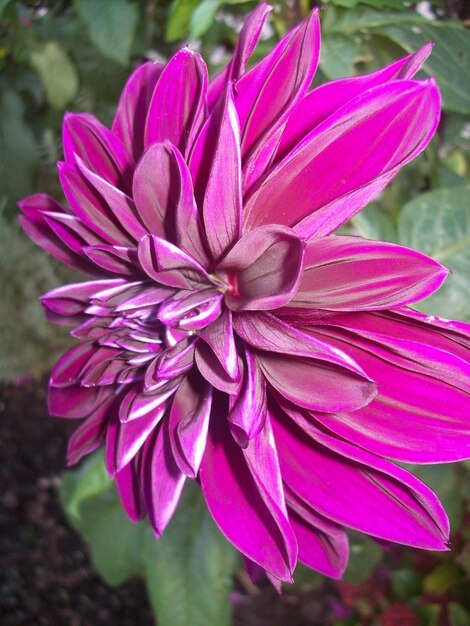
188	571
438	224
364	556
449	62
203	17
189	578
179	19
88	481
339	55
58	75
351	22
458	616
374	223
111	24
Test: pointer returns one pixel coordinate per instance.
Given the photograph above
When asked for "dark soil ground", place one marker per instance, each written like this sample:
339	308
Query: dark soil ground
45	573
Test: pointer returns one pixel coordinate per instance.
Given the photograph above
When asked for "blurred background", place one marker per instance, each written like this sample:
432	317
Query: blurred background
75	55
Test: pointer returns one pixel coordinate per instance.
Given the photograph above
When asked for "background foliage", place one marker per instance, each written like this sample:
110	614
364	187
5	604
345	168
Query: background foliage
75	55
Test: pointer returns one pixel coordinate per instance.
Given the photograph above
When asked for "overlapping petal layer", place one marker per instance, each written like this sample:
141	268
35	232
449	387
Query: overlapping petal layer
228	337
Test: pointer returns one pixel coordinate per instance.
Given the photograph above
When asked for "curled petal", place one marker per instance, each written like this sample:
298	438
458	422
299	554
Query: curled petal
130	491
169	265
263	269
219	337
189	423
91	434
73	299
162	480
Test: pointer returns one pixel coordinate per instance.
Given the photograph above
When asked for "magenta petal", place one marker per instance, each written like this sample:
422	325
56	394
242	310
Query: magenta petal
72	231
219	337
114	259
244	48
273	85
263	269
125	439
270	334
376	134
349	273
136	405
323	544
169	265
324	100
189	423
216	158
177	106
89	435
203	305
357	489
211	369
240	509
74	401
100	150
163	482
420	412
130	492
131	112
90	207
248	409
172	362
74	298
121	205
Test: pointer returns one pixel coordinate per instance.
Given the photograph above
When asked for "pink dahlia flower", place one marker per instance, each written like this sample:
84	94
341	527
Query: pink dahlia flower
227	336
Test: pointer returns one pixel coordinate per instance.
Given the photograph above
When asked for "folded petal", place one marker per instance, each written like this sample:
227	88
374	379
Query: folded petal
125	439
178	102
212	370
73	299
244	48
357	489
248	408
84	136
122	206
376	134
325	99
349	273
220	339
169	265
216	158
323	545
90	206
90	434
114	259
263	269
163	481
130	492
239	508
189	423
268	91
131	113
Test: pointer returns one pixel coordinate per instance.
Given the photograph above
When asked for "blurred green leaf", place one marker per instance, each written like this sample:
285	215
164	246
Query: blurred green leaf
339	54
88	481
191	562
458	616
442	578
449	62
111	24
374	223
58	75
18	150
364	556
179	19
3	4
438	224
203	17
406	583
